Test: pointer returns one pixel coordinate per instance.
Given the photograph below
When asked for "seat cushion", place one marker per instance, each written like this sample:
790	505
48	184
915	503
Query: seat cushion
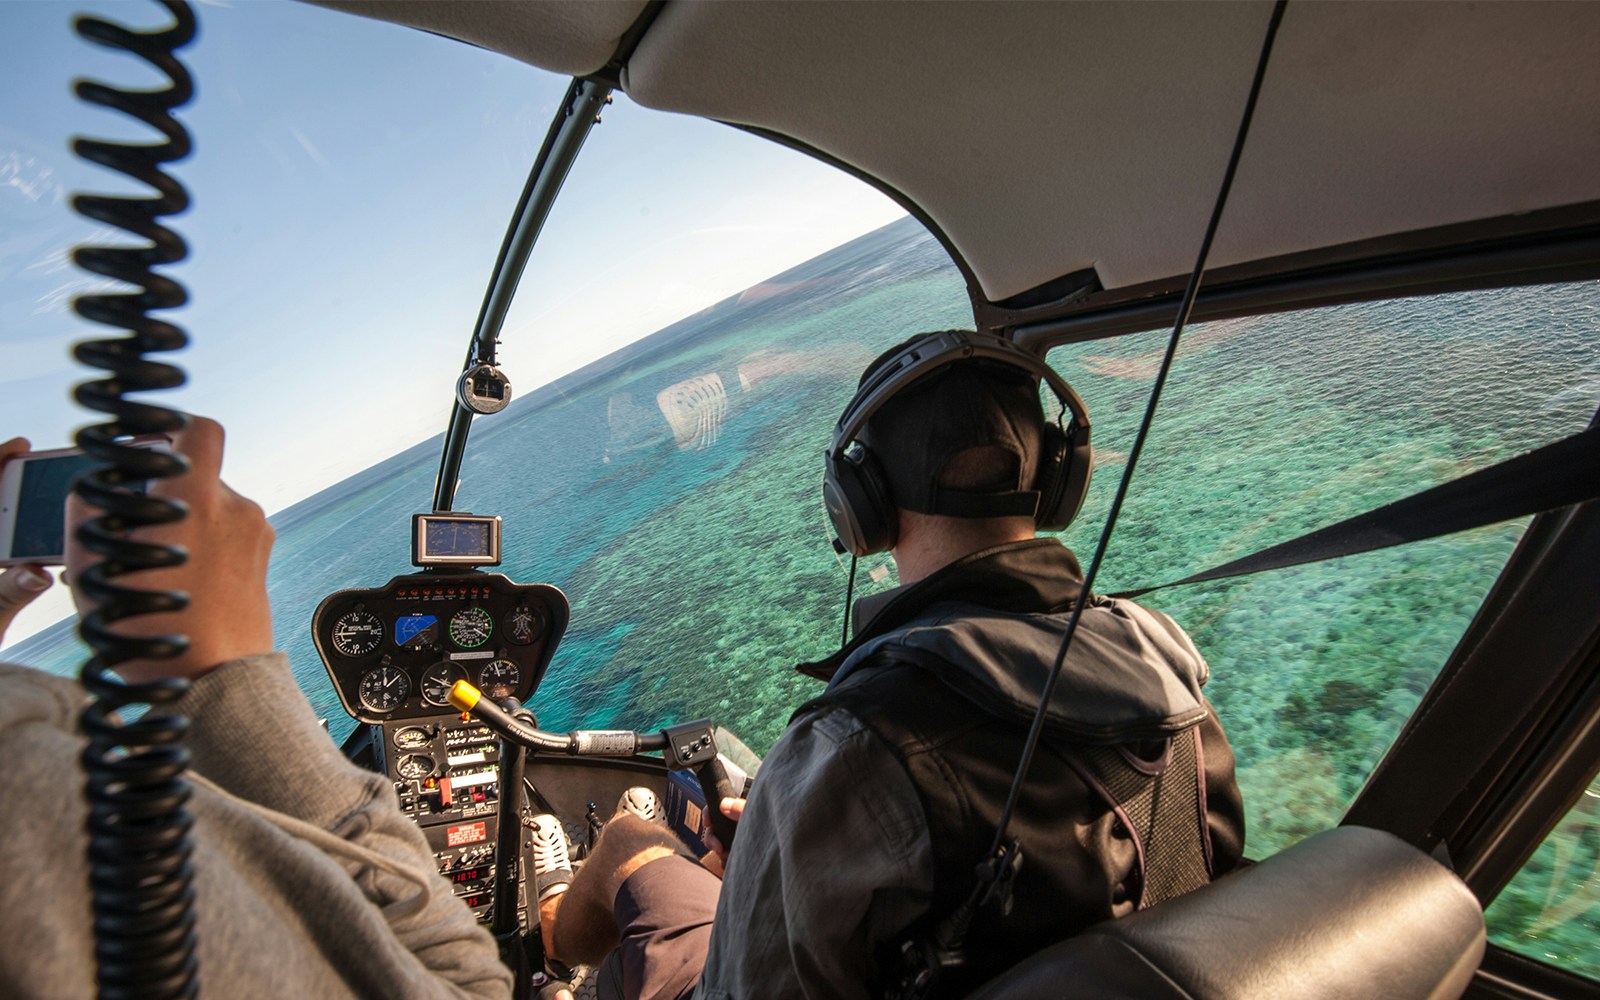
1350	912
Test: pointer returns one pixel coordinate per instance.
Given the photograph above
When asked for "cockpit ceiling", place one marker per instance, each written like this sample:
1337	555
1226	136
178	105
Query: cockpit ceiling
572	37
1047	138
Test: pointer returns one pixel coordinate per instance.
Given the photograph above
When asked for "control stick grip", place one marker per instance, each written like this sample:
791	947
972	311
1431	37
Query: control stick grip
716	786
693	745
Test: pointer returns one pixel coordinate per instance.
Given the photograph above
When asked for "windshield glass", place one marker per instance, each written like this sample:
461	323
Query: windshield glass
344	219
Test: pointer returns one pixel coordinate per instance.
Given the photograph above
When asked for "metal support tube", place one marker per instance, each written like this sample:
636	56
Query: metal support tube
579	112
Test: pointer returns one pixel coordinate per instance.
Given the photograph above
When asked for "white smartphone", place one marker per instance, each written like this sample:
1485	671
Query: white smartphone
33	497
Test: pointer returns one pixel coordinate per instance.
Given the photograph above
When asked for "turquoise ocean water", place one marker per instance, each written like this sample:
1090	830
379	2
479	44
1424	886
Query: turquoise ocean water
672	491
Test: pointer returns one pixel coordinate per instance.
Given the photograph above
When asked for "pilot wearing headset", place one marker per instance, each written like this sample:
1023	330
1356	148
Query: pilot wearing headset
864	828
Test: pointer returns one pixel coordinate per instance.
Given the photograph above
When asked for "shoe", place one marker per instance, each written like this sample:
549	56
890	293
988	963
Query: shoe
552	865
643	803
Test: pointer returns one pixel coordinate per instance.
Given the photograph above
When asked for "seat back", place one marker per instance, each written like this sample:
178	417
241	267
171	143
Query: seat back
1350	912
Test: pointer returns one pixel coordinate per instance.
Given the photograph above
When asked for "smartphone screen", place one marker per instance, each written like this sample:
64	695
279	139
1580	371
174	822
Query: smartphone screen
35	507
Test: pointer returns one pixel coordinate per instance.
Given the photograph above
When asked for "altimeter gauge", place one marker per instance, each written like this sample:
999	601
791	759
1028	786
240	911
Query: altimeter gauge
438	680
357	633
470	627
499	678
525	625
414	766
384	689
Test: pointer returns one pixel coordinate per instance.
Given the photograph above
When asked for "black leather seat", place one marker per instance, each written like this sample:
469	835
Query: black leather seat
1348	913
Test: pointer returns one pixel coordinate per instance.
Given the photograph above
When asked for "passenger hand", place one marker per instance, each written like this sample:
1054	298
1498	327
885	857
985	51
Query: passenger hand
717	858
19	585
228	540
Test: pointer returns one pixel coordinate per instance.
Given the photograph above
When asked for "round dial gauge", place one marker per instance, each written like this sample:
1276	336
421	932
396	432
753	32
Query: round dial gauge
499	678
525	625
469	627
412	737
414	766
357	633
384	689
438	680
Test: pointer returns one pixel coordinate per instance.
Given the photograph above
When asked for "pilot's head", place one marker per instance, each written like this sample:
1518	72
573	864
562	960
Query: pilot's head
951	456
962	442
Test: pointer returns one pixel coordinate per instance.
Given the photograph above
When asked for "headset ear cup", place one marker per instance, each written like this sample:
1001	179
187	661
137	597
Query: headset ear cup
1063	481
858	502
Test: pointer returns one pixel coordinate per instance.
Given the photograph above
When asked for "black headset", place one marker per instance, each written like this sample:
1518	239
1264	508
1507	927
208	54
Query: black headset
854	489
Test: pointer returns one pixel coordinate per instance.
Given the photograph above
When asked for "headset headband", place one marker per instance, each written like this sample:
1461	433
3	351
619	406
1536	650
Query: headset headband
929	354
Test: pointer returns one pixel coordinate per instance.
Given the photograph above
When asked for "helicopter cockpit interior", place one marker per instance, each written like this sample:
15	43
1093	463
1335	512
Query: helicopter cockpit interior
1367	472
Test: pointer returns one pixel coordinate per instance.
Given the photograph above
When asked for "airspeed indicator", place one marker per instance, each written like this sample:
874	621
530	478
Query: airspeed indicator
470	627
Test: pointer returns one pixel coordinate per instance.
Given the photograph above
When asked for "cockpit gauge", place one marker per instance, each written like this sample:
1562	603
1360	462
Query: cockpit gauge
384	689
357	633
525	625
416	631
413	737
414	766
499	678
437	681
470	627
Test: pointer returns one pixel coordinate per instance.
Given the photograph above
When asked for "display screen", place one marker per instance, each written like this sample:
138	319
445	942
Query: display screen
40	531
416	630
458	538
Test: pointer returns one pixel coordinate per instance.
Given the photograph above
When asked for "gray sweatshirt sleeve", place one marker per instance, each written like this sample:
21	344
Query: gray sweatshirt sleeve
833	857
256	737
307	879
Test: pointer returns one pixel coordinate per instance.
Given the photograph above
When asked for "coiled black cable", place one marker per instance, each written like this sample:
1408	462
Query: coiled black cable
140	876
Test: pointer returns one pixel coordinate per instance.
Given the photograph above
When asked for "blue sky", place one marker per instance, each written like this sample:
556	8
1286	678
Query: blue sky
351	183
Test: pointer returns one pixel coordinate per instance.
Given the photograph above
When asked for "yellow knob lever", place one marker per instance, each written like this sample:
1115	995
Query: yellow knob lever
464	696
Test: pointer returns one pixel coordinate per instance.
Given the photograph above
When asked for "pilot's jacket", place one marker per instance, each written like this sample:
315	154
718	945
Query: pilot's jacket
308	881
873	809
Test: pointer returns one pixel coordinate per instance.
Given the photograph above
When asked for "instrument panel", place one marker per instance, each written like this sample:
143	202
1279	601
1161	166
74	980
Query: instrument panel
446	773
394	652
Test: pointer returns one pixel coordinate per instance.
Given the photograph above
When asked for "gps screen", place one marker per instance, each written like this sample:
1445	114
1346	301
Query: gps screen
458	538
